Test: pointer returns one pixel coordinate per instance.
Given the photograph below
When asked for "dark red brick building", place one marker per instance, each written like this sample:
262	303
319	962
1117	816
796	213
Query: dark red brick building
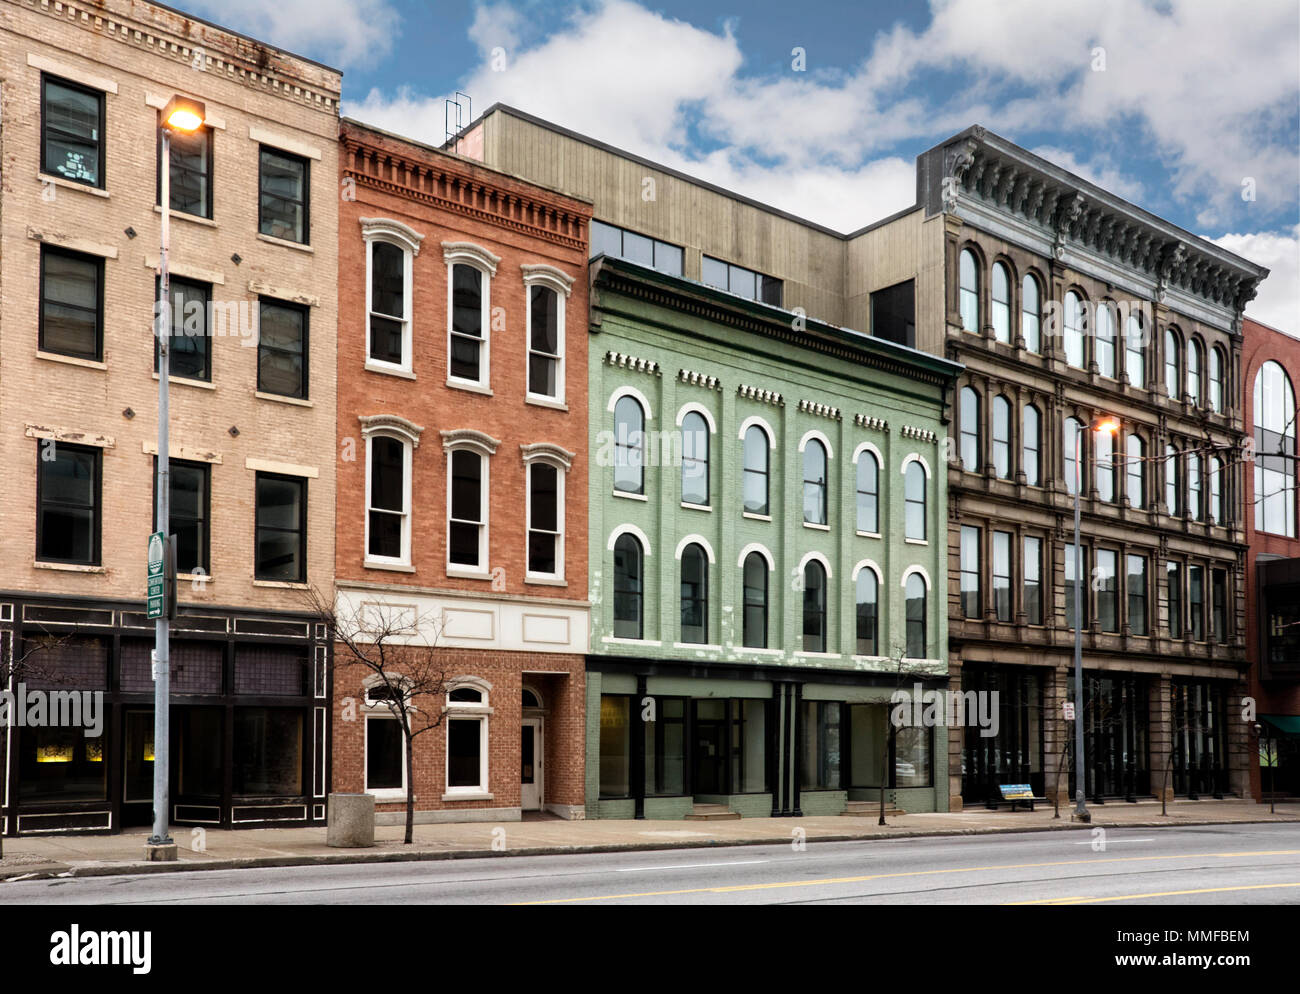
462	482
1271	366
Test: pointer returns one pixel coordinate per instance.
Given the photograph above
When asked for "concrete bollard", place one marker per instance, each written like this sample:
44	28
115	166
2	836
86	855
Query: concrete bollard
350	822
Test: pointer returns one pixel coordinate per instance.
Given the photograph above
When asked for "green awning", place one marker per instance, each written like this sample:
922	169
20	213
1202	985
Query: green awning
1287	724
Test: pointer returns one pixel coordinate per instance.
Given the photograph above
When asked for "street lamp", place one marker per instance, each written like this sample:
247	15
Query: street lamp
184	116
1111	427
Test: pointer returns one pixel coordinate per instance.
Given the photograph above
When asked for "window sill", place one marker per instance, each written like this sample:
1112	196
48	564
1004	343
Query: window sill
466	573
755	517
282	584
69	567
541	400
869	534
800	653
546	581
697	645
916	541
696	507
816	527
754	648
628	496
281	399
296	246
391	567
615	640
191	218
68	184
71	360
469	795
387	370
387	795
468	386
195	578
185	381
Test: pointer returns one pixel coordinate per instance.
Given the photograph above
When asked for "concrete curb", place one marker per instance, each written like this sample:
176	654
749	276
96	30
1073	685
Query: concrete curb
64	870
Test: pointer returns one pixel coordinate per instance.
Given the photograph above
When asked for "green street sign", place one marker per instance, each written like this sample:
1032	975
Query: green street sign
156	579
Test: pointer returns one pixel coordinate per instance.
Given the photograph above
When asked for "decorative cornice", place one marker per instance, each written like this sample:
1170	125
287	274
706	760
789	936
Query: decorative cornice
920	434
867	421
547	452
374	424
391	230
549	276
469	438
821	410
760	395
699	380
625	361
474	255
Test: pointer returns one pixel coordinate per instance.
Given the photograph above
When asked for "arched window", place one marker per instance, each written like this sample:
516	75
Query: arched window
695	460
388	499
755	594
629	446
914	501
1106	339
756	470
1216	490
970	430
1171	363
1171	480
1001	290
868	638
814	607
1071	445
1002	437
868	493
1194	354
1194	486
467	545
1275	451
467	362
1216	380
1136	471
1075	323
916	614
1135	351
695	594
969	293
629	570
1032	446
814	483
1031	314
1104	444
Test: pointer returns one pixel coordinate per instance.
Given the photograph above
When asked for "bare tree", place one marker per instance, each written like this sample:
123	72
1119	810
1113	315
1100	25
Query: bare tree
398	650
1097	719
897	657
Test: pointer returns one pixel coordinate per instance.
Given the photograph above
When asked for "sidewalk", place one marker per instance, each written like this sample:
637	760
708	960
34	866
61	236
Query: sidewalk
95	855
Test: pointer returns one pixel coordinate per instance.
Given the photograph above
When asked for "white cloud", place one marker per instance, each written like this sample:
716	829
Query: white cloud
342	33
1100	170
1278	301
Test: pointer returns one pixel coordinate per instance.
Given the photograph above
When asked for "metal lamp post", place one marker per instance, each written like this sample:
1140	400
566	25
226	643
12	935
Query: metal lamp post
184	116
1080	807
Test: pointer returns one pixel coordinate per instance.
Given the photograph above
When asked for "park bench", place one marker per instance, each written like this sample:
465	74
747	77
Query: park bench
1017	793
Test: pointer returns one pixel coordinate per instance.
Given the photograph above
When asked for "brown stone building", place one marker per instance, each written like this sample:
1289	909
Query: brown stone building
254	237
462	487
1271	371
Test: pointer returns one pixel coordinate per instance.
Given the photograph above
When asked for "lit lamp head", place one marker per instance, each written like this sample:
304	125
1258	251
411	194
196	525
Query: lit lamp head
183	114
1108	425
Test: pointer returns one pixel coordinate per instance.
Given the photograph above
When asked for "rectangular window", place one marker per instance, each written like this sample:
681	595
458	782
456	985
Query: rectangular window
1075	572
913	757
72	131
388	301
545	377
545	537
893	313
970	572
283	200
466	756
388	517
72	304
665	748
68	514
618	243
741	281
1002	575
1175	577
1196	601
748	747
820	736
615	746
282	349
281	528
385	754
188	509
1137	594
267	754
1106	583
466	524
467	361
190	173
190	339
1033	580
1219	583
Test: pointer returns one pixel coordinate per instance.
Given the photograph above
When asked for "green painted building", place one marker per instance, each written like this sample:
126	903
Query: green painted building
768	549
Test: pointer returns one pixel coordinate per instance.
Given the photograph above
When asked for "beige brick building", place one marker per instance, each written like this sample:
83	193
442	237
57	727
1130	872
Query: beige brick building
255	236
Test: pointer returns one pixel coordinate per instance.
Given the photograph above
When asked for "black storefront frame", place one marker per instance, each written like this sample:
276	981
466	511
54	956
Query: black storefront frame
114	622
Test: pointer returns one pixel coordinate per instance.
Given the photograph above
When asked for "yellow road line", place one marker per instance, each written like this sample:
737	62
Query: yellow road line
1159	893
912	873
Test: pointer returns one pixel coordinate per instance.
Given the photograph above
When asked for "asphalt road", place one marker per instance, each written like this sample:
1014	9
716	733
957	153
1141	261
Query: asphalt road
1222	864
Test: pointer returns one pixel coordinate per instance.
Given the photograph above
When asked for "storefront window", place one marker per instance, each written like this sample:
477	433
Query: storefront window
665	748
819	733
268	752
615	746
61	764
748	747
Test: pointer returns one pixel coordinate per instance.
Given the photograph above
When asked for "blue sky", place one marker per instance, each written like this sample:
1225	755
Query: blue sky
1190	108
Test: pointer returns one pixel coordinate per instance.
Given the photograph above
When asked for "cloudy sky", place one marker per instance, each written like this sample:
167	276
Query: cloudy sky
1190	108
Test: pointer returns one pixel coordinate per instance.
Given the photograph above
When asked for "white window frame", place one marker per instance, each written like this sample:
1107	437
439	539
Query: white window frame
561	460
406	238
379	711
463	711
561	283
408	433
484	446
475	256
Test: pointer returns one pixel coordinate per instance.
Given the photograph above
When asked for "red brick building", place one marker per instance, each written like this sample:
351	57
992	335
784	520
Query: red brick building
462	481
1271	365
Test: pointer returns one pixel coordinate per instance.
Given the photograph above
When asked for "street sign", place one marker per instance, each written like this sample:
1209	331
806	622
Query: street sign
156	579
1068	708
